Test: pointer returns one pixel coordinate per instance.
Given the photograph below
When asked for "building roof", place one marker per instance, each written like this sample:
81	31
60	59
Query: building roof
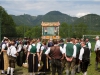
50	23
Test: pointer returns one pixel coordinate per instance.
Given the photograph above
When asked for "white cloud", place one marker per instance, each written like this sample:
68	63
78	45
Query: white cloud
41	7
81	14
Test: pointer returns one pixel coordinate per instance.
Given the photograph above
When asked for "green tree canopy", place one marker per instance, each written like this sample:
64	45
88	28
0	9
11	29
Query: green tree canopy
79	30
7	24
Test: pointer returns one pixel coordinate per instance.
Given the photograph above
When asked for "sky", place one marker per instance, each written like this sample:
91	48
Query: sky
75	8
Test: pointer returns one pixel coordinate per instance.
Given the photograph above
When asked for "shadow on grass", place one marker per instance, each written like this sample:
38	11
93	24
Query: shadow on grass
18	71
98	70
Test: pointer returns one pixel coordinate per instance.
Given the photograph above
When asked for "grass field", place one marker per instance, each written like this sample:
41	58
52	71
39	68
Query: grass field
91	68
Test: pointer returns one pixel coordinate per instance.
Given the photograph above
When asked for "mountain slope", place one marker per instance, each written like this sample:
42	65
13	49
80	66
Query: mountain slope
58	16
23	19
92	20
36	20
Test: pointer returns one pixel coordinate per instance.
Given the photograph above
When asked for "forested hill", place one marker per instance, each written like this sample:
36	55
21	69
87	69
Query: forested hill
23	19
36	20
92	20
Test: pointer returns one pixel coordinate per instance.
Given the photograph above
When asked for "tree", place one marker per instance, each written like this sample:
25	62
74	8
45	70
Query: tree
80	30
63	30
7	24
34	32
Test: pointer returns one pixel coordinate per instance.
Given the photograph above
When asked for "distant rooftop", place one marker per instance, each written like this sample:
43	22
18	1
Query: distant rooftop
50	23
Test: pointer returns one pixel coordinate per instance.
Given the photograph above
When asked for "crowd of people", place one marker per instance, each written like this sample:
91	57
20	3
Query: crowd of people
71	55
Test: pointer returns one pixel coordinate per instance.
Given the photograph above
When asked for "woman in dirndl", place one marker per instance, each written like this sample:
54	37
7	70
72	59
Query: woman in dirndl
44	59
4	58
32	57
20	53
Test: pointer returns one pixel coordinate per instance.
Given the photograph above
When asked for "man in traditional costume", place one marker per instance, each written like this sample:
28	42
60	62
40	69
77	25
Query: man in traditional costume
56	56
88	44
70	55
12	53
97	51
84	58
61	44
78	46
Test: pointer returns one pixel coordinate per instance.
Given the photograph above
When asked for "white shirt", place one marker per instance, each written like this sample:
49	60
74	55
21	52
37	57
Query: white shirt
19	48
42	48
74	47
8	51
3	46
48	50
81	53
64	48
25	47
12	51
97	45
89	45
38	46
